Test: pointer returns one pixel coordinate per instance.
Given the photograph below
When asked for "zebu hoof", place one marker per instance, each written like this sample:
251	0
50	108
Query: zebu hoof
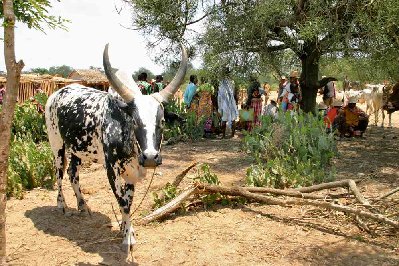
129	240
61	206
83	208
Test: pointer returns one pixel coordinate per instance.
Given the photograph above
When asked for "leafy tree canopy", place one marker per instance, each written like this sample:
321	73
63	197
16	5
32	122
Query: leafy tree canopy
253	36
34	13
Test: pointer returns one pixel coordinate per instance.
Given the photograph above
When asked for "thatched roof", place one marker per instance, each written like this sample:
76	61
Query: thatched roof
89	76
40	78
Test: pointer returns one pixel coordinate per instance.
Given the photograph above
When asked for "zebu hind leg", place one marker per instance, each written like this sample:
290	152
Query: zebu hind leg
124	196
60	164
73	172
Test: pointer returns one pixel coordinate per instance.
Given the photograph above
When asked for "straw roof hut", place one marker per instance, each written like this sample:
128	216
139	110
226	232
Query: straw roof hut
90	77
31	83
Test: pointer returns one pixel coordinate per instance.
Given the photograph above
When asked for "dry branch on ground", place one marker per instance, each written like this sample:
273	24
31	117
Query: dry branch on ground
302	193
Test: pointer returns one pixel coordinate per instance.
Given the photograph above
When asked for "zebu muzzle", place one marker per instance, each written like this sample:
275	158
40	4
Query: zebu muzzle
150	160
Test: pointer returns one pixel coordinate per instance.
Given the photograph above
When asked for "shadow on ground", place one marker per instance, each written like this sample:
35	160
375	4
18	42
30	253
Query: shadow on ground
92	234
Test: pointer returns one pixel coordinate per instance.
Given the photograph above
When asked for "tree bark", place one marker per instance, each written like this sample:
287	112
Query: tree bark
309	76
6	116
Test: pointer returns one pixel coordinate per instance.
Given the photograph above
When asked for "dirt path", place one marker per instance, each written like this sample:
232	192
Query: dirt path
254	234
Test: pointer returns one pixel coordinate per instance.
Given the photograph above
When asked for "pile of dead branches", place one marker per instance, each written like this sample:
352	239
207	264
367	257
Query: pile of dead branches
361	209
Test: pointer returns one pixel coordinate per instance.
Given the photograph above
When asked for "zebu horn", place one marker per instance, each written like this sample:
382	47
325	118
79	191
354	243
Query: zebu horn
120	81
172	87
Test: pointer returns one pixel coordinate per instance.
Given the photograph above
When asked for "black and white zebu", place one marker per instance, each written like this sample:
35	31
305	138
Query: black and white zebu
125	136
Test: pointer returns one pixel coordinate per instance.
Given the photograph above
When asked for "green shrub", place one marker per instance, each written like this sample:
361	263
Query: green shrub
204	175
30	162
191	129
28	121
291	151
30	165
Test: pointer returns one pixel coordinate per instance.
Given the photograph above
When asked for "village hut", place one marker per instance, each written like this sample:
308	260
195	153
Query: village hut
93	78
30	84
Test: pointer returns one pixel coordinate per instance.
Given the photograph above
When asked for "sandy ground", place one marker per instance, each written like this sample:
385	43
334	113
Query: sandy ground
253	234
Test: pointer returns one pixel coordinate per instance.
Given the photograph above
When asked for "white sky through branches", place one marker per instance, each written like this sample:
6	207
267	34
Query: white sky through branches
93	24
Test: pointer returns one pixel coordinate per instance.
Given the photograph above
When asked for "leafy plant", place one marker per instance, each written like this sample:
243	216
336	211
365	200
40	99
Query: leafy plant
204	175
28	121
30	165
169	192
192	128
292	151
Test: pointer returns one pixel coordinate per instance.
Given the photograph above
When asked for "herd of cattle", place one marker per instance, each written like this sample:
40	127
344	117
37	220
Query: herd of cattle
378	99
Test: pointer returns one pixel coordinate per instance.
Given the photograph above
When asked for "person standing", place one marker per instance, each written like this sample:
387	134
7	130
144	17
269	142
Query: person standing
329	93
283	82
159	82
190	91
227	106
254	101
145	87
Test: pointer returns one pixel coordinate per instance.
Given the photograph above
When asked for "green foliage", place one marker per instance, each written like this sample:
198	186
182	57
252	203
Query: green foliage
204	175
28	121
169	192
290	152
34	13
31	162
30	165
191	129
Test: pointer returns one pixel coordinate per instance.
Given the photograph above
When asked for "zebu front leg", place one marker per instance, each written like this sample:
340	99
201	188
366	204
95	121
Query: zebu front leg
124	196
73	171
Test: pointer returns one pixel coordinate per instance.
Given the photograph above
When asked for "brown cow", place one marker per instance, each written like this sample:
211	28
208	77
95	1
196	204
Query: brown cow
392	103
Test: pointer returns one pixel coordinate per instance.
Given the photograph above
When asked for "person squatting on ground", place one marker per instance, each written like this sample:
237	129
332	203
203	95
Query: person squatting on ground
351	121
227	106
271	109
291	95
331	113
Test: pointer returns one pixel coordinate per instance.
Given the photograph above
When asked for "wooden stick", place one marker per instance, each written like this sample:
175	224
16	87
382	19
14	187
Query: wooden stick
322	186
290	193
387	194
356	192
180	176
168	208
178	179
238	191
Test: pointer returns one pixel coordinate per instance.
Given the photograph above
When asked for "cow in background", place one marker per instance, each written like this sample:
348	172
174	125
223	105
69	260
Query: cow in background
392	103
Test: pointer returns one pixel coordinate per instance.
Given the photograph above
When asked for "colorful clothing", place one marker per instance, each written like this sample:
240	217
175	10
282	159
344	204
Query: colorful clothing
256	104
352	121
189	94
145	87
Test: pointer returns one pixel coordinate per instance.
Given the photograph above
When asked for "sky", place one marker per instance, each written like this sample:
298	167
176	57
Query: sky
93	24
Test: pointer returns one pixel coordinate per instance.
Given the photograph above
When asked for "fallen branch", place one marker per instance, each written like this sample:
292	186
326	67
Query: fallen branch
322	186
238	191
180	176
291	193
387	194
178	179
169	207
356	192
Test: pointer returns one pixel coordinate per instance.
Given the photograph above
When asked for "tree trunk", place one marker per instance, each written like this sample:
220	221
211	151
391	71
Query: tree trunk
309	77
13	76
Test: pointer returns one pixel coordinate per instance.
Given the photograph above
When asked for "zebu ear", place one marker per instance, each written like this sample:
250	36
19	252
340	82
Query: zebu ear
120	81
172	87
